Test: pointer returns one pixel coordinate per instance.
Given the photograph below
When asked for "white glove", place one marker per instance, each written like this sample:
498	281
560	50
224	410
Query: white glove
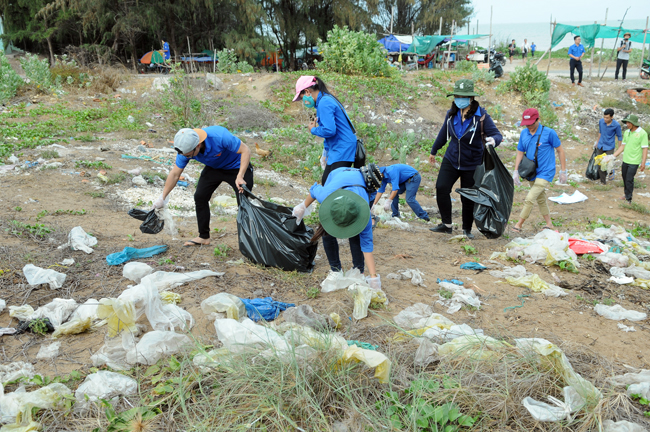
323	159
515	178
161	202
563	177
489	141
375	283
299	212
596	144
387	204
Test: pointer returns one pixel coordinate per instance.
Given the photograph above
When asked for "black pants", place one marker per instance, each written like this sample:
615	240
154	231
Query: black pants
532	54
209	182
628	172
603	174
446	179
330	168
576	65
620	63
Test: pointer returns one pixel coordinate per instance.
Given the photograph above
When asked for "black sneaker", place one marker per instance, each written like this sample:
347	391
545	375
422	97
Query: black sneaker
426	219
468	234
441	228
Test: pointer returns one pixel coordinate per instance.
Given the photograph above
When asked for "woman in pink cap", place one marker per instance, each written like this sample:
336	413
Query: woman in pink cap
332	123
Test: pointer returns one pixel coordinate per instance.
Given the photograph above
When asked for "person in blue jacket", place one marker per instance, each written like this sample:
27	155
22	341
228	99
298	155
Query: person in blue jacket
465	125
402	178
165	50
345	213
331	123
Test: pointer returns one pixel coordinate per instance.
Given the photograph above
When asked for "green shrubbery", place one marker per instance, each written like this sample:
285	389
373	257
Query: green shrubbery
38	73
534	87
9	79
354	53
228	62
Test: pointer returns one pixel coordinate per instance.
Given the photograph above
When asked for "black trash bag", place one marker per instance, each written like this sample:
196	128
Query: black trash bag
151	224
268	234
592	168
492	196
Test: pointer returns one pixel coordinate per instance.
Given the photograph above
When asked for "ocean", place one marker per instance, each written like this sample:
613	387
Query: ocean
541	35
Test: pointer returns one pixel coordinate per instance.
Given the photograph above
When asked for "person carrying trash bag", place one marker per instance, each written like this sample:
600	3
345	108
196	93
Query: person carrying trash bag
536	160
609	130
331	123
402	178
466	127
344	213
226	159
635	152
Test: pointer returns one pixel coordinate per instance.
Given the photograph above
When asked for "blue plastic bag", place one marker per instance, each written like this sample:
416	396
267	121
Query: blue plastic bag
472	266
453	281
130	253
264	308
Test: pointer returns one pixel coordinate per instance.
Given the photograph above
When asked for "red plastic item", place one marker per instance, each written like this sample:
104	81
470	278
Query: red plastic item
581	247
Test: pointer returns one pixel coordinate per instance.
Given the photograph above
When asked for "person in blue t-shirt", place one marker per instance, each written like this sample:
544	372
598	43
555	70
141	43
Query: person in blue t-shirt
344	213
165	50
546	140
331	123
576	51
226	159
402	178
608	131
533	47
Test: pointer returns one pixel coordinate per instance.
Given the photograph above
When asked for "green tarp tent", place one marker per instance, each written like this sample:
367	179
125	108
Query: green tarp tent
1	31
423	45
589	33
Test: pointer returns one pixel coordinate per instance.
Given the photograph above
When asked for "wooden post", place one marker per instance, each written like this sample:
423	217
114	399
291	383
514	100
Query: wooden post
490	37
591	60
645	34
451	39
392	12
190	49
602	43
214	58
417	57
550	56
440	28
277	65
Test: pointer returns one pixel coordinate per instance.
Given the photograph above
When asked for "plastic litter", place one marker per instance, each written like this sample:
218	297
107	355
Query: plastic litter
130	253
3	305
88	310
581	247
642	389
472	266
169	297
339	280
461	296
169	280
21	313
305	316
166	217
643	283
536	284
618	312
372	359
614	259
36	276
35	326
397	223
155	345
559	411
224	201
78	239
57	311
120	315
364	345
454	281
622	426
363	296
232	305
72	327
15	370
625	328
67	262
632	378
426	353
264	308
415	275
477	347
48	352
135	271
246	337
514	272
151	224
451	333
565	198
113	352
637	272
492	195
268	235
17	406
547	246
592	168
106	385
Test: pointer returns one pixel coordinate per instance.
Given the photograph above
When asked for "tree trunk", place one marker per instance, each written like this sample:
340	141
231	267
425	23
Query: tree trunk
49	46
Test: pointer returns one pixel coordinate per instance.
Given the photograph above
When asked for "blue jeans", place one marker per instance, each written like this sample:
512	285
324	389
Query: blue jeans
411	187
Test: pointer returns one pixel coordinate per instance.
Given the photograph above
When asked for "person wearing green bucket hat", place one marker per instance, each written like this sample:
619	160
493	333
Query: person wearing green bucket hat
467	128
635	153
344	213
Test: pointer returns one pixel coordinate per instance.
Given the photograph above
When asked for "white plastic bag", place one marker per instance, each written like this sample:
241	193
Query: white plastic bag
21	402
632	378
559	411
78	239
451	333
113	352
37	276
224	302
169	280
88	310
618	312
642	389
413	316
622	426
426	353
48	352
165	215
614	259
364	295
248	337
135	271
13	371
21	313
106	385
57	311
637	272
338	280
461	296
516	271
3	305
155	345
415	275
305	316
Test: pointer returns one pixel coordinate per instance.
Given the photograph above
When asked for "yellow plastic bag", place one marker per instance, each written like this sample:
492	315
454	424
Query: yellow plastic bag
119	314
598	159
477	347
643	283
72	327
336	319
372	359
536	284
224	302
169	297
363	297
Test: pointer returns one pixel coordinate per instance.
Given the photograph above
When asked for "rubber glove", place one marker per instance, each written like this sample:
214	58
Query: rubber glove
299	212
563	177
387	205
515	178
489	141
323	159
161	202
596	144
375	283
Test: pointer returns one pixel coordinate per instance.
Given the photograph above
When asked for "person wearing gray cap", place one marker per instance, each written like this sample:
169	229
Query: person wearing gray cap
226	159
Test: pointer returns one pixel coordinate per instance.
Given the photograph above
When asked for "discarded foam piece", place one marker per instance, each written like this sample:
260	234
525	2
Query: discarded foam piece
618	312
622	426
105	385
36	276
155	345
559	411
224	302
48	352
363	296
135	271
78	239
15	370
339	280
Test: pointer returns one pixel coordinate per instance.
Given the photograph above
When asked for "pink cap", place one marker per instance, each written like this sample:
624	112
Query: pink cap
304	82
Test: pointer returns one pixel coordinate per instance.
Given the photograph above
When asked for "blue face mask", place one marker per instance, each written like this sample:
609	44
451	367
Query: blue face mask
308	101
462	103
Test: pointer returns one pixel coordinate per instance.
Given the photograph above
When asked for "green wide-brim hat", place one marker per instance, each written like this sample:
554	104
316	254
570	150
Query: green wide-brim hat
632	119
344	214
463	87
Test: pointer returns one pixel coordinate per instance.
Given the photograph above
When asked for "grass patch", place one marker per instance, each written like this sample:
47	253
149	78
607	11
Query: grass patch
637	184
50	154
635	206
602	187
116	178
21	229
265	182
94	165
150	176
469	249
625	104
96	194
221	251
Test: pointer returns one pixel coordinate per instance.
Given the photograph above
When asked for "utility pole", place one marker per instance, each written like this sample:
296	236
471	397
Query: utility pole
645	34
440	28
417	56
550	54
602	42
392	13
490	37
591	61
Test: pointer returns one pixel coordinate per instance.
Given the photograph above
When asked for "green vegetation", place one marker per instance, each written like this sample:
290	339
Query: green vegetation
312	292
150	176
96	194
637	184
221	251
446	294
18	209
94	165
38	326
181	101
469	249
228	62
9	79
625	104
165	261
69	212
567	266
50	154
635	206
116	178
602	187
639	230
534	87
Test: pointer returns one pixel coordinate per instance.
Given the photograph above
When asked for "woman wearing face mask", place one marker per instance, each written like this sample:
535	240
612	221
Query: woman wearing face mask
332	123
466	125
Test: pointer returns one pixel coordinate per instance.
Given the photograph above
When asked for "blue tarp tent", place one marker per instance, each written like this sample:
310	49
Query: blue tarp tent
392	44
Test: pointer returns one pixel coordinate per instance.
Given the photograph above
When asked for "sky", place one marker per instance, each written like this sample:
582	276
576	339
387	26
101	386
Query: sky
518	11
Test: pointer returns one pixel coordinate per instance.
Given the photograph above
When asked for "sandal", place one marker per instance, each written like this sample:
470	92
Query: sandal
515	229
192	243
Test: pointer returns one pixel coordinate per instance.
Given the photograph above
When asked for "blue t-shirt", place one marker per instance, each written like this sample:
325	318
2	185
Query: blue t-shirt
338	179
608	134
220	151
576	50
340	140
533	47
395	175
546	154
460	125
166	50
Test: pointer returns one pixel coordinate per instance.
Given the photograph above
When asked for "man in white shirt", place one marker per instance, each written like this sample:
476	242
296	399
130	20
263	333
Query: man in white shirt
524	50
623	55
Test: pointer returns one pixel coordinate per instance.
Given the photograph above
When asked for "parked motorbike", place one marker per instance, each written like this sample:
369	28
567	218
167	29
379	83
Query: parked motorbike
498	56
645	69
496	68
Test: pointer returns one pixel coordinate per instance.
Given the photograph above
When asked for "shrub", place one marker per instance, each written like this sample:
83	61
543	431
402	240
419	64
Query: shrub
530	82
9	79
69	72
354	53
228	62
483	75
38	72
180	99
466	66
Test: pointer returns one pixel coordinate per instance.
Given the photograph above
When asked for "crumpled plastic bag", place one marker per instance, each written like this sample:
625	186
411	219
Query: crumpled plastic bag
21	313
130	253
515	272
339	280
536	284
415	275
426	353
622	426
247	337
265	309
642	389
36	276
105	385
642	283
618	312
614	259
14	370
170	280
637	272
451	333
166	217
120	314
113	352
88	310
50	351
151	224
155	345
461	296
135	271
420	315
559	411
57	311
78	239
547	246
477	347
372	359
224	302
632	378
305	316
3	305
74	326
17	406
169	297
363	296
